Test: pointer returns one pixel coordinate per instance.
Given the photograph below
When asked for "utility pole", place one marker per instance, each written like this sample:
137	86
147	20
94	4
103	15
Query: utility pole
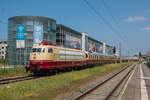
120	52
128	54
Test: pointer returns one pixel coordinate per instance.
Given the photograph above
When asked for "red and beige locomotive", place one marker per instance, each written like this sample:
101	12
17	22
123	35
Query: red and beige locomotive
47	57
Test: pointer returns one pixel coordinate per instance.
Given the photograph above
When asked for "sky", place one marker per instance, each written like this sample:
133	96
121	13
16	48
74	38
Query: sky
116	21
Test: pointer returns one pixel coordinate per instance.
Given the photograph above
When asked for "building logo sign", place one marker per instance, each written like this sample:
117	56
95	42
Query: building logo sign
38	34
20	38
48	28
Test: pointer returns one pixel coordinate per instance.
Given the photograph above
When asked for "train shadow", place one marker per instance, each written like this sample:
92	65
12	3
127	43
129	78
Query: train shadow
53	72
57	71
60	71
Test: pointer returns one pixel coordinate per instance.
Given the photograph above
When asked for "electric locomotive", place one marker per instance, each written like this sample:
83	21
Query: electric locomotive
49	57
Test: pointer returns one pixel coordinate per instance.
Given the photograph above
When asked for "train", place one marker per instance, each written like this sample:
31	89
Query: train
49	57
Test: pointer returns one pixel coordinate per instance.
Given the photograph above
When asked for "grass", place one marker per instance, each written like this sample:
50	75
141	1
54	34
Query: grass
51	87
12	72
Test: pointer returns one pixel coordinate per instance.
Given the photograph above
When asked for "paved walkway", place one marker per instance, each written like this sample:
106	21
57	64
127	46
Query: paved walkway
139	85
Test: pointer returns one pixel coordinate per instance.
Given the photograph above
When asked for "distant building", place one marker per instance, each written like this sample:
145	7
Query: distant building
3	48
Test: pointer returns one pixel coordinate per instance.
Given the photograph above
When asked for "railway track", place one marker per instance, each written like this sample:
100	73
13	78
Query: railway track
107	88
104	89
16	79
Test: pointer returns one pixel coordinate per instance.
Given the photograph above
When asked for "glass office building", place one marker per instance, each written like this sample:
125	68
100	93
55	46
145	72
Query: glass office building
26	31
67	37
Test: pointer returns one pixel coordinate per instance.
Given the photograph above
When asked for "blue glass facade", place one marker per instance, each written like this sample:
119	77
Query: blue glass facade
17	55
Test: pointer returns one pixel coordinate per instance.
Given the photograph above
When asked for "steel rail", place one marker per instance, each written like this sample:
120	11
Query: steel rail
16	79
107	80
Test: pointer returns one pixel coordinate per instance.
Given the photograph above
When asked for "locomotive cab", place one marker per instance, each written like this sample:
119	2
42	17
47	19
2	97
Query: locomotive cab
40	58
44	53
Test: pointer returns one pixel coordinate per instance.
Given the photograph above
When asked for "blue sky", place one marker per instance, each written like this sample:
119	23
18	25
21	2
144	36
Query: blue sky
132	16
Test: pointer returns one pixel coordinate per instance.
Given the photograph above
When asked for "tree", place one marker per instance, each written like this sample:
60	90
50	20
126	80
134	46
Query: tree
114	49
140	55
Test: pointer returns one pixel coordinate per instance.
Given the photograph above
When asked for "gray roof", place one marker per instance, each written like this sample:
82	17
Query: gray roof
31	17
94	40
70	29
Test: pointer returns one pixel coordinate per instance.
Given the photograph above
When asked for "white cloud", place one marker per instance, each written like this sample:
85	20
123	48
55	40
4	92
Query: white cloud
134	19
146	28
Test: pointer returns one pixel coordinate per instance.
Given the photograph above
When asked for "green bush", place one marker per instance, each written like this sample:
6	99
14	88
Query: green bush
2	61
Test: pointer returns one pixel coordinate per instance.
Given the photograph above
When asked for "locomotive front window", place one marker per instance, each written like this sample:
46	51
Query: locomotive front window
39	49
33	49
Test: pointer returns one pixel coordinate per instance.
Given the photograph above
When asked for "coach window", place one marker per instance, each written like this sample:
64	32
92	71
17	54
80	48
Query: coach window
50	50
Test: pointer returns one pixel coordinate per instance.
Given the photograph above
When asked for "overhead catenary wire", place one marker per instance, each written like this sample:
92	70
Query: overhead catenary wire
122	39
103	18
114	19
116	23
